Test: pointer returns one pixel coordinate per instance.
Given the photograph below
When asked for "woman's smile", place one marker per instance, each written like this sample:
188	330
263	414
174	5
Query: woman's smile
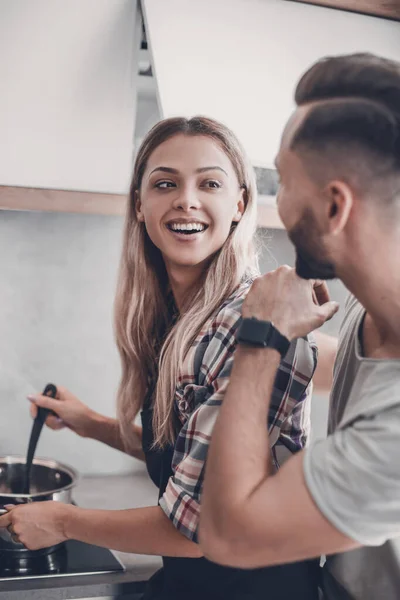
186	231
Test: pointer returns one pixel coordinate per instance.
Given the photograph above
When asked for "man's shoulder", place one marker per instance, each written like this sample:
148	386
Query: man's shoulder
351	319
352	305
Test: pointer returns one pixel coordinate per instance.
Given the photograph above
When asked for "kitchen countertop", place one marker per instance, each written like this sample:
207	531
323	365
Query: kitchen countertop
107	492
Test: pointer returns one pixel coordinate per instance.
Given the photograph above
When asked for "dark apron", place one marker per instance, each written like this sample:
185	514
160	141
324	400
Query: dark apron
198	578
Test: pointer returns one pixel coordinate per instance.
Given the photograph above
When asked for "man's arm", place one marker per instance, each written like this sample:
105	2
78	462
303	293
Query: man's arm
250	517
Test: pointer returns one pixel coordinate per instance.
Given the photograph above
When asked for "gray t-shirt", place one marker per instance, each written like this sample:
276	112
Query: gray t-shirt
354	474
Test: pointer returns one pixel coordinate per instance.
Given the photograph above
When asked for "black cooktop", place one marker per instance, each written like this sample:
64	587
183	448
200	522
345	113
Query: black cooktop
72	558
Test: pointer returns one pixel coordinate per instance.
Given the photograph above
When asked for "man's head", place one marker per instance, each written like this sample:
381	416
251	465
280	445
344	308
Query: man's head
339	161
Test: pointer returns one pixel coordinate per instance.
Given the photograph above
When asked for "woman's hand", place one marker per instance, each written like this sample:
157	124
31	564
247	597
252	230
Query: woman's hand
78	417
70	411
37	525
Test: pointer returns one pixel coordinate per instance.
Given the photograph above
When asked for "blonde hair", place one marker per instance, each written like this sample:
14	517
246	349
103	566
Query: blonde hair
153	347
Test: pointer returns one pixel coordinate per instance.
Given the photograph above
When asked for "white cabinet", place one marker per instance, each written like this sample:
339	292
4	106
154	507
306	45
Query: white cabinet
68	79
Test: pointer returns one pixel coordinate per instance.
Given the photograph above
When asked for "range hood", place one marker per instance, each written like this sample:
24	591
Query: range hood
239	60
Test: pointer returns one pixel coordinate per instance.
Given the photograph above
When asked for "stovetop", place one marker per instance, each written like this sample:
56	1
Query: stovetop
71	559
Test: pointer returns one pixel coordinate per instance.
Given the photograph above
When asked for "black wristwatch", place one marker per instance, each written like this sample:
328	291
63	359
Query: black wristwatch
262	334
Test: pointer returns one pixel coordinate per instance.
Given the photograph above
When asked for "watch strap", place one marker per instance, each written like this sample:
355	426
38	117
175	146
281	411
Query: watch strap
278	341
262	334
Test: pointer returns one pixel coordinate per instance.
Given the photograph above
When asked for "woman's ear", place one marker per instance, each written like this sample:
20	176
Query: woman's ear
240	208
138	208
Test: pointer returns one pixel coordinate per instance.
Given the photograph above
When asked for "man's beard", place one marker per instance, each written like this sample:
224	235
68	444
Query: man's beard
305	237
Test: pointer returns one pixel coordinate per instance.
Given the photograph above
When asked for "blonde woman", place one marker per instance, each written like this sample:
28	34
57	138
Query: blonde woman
187	263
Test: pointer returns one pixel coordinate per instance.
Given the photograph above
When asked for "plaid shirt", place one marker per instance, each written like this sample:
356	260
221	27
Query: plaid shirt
199	394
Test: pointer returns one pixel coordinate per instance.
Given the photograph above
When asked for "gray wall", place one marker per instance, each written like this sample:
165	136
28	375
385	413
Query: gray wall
57	284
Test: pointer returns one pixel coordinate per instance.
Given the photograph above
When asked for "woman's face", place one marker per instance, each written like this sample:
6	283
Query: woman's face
189	197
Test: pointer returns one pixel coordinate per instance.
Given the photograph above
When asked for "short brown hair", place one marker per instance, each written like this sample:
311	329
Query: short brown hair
357	107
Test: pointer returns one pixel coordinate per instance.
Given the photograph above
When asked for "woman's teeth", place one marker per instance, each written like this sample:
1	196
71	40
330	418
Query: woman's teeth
187	227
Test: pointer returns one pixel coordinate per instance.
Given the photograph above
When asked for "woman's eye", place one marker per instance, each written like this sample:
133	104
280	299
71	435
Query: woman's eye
212	184
163	185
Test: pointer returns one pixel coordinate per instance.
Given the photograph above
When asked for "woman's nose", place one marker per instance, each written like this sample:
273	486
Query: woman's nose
187	199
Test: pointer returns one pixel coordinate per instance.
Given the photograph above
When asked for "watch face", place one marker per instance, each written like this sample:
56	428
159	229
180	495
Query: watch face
262	334
254	332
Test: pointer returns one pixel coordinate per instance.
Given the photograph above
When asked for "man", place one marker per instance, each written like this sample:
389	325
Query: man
339	198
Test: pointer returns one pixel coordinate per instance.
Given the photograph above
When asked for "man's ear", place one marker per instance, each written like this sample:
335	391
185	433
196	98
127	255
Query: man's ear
138	207
240	208
340	202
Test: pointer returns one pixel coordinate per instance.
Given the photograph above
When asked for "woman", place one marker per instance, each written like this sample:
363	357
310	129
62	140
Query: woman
187	262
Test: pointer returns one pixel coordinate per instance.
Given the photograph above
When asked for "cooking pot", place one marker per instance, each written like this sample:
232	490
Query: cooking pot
50	480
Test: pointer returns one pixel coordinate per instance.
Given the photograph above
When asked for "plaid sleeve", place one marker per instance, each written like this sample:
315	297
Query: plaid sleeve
291	404
181	500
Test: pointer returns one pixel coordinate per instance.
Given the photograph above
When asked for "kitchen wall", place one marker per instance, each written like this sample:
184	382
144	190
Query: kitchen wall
57	282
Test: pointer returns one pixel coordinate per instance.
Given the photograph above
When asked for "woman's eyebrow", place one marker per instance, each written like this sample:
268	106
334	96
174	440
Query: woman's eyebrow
176	172
215	168
165	170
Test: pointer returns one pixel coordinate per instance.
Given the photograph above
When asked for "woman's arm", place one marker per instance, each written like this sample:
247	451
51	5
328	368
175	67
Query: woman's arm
107	430
72	413
140	530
